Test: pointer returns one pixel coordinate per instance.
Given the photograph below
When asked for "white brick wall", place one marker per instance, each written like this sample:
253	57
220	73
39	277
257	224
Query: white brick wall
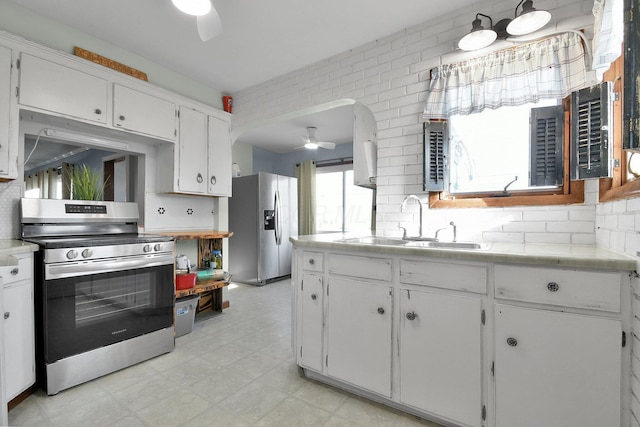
390	76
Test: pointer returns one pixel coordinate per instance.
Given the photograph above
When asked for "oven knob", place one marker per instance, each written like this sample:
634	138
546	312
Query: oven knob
72	254
147	248
157	247
87	253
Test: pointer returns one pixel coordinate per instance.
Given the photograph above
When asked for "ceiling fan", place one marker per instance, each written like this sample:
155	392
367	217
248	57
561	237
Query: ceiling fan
207	18
312	143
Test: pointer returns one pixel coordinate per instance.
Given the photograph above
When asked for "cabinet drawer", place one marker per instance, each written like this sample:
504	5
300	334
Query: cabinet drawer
14	273
596	290
312	261
461	277
359	266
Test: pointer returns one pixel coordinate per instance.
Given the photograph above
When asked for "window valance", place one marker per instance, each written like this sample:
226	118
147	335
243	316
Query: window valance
550	68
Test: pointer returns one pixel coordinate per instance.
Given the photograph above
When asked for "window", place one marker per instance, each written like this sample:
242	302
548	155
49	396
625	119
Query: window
341	206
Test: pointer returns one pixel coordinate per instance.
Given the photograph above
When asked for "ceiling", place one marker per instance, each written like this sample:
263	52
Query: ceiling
261	40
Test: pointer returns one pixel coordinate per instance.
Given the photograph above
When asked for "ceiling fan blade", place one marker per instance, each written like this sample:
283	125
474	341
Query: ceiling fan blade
209	25
327	145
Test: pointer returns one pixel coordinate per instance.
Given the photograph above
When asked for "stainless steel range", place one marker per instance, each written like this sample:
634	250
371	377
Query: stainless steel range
104	294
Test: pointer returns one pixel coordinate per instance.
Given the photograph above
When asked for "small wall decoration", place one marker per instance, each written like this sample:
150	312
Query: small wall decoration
109	63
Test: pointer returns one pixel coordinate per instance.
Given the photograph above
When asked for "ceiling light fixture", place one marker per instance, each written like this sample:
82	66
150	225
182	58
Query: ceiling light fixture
89	140
529	20
193	7
478	37
311	145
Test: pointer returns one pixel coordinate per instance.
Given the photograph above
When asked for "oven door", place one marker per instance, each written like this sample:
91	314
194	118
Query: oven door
88	305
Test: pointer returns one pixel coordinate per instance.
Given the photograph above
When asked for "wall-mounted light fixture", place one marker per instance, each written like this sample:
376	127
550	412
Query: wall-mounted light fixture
528	21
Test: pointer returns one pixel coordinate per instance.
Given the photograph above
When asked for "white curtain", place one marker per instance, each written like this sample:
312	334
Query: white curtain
608	33
46	181
306	174
550	68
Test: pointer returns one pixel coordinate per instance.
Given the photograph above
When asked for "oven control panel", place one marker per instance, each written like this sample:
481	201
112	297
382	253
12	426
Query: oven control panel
85	209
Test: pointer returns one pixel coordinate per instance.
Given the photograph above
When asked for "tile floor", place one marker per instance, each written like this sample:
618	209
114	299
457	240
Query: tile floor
234	369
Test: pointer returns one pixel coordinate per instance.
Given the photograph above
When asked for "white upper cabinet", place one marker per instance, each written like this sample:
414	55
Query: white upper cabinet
219	165
140	112
5	106
62	90
192	152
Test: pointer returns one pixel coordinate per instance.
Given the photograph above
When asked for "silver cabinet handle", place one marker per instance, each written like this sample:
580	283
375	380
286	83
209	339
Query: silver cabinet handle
512	342
121	118
15	271
411	316
314	296
380	310
213	180
199	178
553	287
311	261
98	111
7	314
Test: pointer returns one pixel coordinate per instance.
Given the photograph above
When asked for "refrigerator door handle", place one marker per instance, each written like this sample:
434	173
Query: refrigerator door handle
278	230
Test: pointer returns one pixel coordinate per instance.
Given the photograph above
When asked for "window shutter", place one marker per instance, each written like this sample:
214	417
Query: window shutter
547	136
435	153
590	132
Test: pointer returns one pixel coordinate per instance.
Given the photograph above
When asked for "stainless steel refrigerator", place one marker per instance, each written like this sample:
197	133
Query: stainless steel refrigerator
263	213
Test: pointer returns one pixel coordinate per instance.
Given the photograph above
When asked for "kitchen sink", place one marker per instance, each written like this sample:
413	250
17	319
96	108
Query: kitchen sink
374	240
450	245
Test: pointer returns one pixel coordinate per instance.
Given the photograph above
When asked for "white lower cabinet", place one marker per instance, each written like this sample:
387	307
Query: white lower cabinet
556	369
440	354
311	314
359	323
18	326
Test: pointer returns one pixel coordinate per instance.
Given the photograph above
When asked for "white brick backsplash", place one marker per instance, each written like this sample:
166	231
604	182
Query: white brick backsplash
493	236
560	238
571	227
526	226
583	239
545	215
627	222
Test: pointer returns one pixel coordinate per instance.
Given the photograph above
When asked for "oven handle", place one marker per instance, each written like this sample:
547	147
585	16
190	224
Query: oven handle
86	268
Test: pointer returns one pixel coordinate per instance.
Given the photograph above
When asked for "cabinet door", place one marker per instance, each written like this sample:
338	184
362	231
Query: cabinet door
140	112
219	149
192	151
440	355
311	321
359	334
19	351
556	369
62	90
5	102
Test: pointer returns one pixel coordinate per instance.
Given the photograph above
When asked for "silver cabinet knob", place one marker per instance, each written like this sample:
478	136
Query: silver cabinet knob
15	271
87	253
72	254
380	310
512	342
314	296
7	314
98	111
411	316
213	180
312	261
121	118
199	178
553	287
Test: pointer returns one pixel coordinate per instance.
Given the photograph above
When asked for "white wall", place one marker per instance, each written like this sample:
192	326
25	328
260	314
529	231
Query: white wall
390	76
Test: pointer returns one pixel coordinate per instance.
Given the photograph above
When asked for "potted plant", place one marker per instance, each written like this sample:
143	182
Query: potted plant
86	184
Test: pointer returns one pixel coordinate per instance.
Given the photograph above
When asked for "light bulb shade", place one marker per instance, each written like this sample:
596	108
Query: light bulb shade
477	39
529	20
193	7
311	145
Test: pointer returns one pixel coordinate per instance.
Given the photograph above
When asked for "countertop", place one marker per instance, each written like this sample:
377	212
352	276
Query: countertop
514	253
10	247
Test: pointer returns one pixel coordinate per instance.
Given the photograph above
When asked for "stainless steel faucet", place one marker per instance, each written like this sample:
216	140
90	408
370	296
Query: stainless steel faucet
404	203
444	228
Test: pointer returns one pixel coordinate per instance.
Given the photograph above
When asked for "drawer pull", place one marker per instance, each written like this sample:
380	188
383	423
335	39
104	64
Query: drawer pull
512	342
314	297
553	287
199	178
311	261
380	310
15	271
411	316
7	314
98	111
